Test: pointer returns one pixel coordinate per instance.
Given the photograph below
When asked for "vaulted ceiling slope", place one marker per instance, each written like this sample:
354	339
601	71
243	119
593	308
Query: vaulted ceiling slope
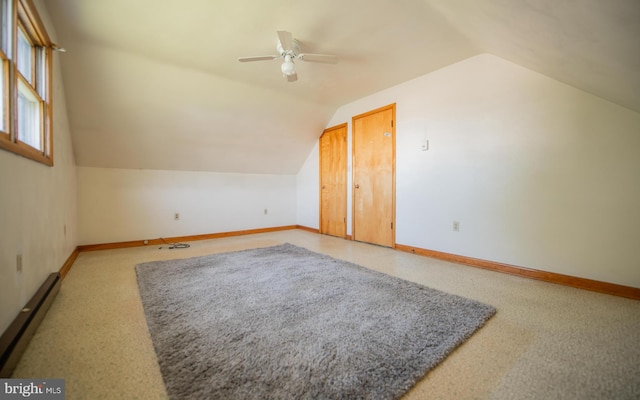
156	84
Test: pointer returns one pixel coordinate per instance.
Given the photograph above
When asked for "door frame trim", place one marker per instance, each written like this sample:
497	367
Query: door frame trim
391	107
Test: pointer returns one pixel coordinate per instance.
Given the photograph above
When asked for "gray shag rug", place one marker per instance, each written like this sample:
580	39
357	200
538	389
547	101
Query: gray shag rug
283	322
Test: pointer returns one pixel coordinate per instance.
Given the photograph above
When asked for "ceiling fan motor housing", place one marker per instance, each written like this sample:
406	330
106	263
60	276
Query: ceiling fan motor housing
295	48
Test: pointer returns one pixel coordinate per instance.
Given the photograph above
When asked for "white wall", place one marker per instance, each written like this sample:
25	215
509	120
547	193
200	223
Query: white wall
307	187
122	204
38	209
539	174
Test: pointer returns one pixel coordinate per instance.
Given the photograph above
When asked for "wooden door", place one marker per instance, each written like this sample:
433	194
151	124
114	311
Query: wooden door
333	181
374	177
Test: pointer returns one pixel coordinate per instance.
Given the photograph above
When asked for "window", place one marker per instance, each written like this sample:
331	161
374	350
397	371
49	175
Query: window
25	82
5	48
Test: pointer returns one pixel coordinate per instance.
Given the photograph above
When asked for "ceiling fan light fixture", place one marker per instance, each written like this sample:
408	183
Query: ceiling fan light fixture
287	66
288	48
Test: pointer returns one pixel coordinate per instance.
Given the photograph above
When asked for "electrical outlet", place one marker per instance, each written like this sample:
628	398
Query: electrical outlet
456	226
176	216
19	262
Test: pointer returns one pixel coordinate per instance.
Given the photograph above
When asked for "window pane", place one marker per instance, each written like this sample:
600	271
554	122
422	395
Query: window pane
5	45
5	27
41	71
29	130
3	115
25	57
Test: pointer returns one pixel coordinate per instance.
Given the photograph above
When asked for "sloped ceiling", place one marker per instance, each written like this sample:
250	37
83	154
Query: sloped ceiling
155	84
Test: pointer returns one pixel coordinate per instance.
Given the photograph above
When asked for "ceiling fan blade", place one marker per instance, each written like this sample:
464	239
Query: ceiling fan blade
293	77
320	58
286	40
257	58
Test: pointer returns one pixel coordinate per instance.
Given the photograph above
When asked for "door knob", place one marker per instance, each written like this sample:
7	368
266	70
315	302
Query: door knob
324	187
357	186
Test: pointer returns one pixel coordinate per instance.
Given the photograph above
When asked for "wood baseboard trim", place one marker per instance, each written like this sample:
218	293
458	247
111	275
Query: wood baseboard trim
67	265
306	228
15	339
552	277
191	238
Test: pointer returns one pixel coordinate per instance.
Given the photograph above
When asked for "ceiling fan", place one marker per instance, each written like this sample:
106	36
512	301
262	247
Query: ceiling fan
288	49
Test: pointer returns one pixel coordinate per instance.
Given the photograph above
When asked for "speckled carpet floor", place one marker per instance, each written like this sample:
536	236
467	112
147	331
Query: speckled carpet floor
545	342
283	322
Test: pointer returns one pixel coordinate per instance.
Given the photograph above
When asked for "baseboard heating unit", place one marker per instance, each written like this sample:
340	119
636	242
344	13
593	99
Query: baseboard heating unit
15	339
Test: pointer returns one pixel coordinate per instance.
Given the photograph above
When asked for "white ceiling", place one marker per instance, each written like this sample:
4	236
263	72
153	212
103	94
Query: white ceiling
155	84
